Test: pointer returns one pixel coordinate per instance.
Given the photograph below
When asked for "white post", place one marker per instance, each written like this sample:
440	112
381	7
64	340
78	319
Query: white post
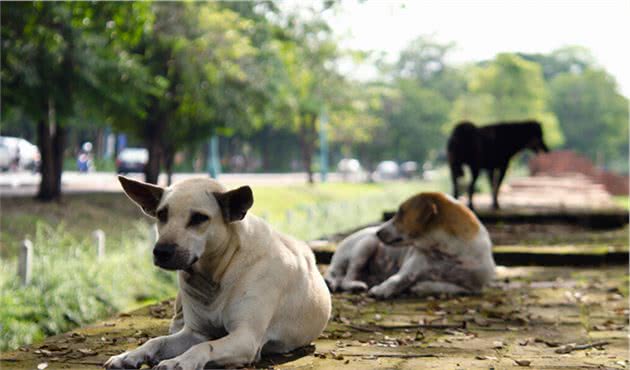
25	262
99	243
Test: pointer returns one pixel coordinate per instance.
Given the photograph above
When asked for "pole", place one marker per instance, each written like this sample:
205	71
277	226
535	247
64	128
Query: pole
214	165
25	262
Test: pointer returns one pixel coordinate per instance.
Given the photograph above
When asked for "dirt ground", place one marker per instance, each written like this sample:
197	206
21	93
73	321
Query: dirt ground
542	318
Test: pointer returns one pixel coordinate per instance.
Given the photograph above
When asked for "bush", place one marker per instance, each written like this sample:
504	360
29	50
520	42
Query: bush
70	288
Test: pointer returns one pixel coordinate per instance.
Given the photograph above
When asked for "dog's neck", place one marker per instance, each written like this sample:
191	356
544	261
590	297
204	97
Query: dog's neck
212	266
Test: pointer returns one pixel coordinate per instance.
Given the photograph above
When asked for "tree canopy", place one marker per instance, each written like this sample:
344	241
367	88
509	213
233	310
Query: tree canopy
258	73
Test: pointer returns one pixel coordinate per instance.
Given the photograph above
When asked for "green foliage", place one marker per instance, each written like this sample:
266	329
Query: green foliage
592	114
70	288
506	89
76	55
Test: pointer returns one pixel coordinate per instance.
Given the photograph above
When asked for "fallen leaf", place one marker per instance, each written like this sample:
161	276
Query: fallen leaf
87	351
491	358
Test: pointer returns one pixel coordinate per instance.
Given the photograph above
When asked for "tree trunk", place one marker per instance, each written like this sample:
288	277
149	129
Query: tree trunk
152	169
51	139
169	156
307	139
267	137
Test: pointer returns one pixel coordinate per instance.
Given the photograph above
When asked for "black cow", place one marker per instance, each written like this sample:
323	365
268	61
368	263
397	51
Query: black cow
490	148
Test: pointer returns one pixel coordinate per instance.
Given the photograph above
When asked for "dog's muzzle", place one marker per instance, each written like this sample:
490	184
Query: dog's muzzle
170	256
384	236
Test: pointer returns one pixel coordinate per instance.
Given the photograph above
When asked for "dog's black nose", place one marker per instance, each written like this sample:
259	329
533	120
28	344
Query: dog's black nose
162	252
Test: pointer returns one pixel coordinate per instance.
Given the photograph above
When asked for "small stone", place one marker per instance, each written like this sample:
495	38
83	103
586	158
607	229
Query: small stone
42	366
523	362
87	351
481	321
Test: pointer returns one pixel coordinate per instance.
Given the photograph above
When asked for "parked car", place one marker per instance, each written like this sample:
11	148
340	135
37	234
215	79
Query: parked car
409	169
132	160
5	158
386	170
23	155
350	169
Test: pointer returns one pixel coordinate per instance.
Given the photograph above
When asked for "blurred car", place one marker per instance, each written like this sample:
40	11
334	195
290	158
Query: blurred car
387	170
5	158
350	169
132	160
23	155
409	169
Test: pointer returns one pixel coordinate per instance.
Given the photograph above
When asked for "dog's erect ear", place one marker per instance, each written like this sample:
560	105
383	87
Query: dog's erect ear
235	203
147	196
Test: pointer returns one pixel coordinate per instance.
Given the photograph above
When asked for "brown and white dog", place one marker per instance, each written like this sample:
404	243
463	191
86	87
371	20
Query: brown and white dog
244	288
432	245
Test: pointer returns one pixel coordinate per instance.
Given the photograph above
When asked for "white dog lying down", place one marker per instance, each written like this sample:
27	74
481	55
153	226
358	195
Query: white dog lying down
432	245
245	289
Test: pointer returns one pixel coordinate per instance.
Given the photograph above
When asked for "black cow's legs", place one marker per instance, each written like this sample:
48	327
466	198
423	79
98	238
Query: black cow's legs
471	188
454	176
496	178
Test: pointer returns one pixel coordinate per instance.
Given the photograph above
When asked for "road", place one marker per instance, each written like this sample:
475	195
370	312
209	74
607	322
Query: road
26	183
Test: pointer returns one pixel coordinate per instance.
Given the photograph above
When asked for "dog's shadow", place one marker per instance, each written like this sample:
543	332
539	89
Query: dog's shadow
272	360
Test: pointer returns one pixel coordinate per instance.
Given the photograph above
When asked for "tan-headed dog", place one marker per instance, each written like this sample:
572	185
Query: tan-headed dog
244	288
432	245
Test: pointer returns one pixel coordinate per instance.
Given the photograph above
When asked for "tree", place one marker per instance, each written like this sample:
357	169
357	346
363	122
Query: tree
508	88
56	55
592	114
312	83
424	60
198	55
414	117
415	103
575	59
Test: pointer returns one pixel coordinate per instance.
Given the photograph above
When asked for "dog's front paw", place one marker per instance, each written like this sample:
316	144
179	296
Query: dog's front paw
381	292
172	364
353	286
127	360
178	363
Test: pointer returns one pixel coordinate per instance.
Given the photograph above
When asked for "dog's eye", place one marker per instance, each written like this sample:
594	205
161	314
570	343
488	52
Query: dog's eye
162	215
197	218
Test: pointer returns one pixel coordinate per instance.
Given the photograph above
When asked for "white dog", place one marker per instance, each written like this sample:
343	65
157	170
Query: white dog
433	245
245	289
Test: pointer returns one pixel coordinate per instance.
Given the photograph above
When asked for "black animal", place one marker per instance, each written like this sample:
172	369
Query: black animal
490	148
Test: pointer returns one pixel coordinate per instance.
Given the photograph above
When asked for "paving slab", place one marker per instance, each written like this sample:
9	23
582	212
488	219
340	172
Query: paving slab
536	317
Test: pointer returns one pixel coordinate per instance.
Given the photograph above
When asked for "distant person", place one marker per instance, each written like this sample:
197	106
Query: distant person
490	148
84	159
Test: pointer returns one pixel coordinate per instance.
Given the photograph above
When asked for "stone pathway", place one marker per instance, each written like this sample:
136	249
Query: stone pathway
542	318
569	192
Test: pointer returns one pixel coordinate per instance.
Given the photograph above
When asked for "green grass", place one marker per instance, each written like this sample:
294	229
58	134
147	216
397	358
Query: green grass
622	201
70	288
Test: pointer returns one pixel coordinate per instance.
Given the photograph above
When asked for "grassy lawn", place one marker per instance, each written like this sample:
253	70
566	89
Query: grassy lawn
70	288
622	201
80	214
